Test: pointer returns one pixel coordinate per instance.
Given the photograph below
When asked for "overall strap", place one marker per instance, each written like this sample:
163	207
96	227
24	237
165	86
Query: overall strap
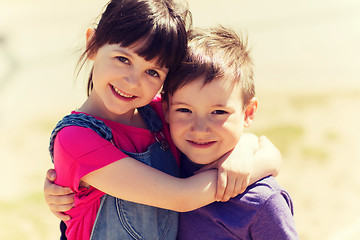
154	124
81	120
151	118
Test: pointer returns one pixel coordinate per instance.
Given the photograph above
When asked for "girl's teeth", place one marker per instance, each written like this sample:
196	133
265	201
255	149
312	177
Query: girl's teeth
121	93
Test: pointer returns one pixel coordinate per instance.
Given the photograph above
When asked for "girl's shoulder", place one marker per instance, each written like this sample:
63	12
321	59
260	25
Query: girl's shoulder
79	140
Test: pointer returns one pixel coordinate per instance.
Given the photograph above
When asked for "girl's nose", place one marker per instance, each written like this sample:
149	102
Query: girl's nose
132	79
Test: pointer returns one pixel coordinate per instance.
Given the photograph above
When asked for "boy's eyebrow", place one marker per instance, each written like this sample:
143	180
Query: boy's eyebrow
178	103
187	104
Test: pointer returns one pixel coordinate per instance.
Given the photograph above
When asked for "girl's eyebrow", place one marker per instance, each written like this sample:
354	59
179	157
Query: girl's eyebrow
123	51
131	54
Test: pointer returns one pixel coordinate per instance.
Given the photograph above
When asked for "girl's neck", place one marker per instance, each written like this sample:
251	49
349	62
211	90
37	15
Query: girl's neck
131	118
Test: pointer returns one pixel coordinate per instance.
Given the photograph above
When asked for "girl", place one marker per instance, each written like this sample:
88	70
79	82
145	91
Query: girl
133	48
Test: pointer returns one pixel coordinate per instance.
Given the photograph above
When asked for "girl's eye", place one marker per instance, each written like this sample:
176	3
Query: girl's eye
220	112
153	73
183	110
123	59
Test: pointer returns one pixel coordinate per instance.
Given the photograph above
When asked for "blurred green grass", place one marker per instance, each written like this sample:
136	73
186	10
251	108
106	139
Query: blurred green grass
283	136
22	218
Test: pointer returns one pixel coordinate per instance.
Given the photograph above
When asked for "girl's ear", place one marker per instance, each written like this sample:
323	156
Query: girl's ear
165	107
250	111
89	35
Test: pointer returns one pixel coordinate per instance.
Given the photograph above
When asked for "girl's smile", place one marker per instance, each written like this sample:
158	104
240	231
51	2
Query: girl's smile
122	94
122	82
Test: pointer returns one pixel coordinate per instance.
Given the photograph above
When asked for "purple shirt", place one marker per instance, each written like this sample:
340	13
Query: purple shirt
263	211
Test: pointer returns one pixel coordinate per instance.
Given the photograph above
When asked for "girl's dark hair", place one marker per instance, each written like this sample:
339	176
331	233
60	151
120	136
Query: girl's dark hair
159	25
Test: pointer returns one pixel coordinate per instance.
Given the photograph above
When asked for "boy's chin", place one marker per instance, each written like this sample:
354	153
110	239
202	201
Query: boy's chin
201	160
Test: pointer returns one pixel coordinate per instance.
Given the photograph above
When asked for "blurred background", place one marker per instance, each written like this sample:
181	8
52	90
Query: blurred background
306	56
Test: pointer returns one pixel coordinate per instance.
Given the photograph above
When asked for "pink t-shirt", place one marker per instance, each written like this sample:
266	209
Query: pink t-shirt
79	151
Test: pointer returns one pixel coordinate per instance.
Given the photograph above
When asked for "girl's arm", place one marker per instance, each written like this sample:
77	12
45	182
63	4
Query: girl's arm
78	155
257	157
134	181
185	194
252	159
266	161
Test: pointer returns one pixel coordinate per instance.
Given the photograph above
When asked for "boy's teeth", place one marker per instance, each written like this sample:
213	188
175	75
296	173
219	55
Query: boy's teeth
201	142
121	93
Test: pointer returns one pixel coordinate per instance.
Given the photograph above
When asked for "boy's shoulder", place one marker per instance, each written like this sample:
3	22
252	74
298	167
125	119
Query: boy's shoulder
261	191
264	209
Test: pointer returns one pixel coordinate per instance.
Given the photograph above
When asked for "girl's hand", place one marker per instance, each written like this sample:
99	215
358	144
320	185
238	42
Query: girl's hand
58	198
234	168
267	160
252	159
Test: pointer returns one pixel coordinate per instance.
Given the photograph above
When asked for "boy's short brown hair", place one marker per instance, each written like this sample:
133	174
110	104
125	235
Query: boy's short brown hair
214	53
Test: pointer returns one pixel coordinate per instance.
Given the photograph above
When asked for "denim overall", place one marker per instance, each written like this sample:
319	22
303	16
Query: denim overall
120	219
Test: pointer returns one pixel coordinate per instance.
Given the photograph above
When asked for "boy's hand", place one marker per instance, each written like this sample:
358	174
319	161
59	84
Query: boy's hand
58	198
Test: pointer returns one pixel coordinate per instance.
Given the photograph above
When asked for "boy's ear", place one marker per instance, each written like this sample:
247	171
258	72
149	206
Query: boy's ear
89	35
165	107
249	112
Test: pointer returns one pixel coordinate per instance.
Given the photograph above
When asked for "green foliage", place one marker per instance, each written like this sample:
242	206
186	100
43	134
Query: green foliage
313	153
283	136
332	136
303	102
22	216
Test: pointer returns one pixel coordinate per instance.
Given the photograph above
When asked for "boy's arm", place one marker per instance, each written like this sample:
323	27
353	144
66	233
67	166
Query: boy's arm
58	198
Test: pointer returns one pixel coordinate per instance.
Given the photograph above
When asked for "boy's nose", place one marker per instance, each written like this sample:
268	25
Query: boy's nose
200	125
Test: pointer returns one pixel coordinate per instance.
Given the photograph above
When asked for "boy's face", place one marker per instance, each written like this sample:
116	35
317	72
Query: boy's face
206	121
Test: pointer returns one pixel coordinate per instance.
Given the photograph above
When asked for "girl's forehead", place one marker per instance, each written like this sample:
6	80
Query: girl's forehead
143	48
133	51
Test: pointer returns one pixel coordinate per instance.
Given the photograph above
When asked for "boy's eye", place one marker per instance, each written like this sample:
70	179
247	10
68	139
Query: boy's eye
183	110
220	112
153	73
123	59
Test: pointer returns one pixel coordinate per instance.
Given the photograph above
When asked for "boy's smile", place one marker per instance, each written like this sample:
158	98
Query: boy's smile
206	121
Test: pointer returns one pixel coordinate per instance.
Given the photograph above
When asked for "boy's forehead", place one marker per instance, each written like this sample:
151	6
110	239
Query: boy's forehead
224	85
218	89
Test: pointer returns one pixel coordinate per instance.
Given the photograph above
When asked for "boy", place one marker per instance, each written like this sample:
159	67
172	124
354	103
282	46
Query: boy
207	107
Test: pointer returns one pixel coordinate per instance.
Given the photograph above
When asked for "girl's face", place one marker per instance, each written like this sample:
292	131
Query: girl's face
123	81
